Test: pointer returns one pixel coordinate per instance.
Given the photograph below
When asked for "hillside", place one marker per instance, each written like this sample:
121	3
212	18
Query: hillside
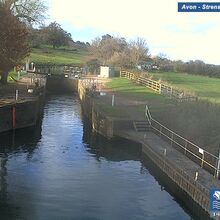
59	56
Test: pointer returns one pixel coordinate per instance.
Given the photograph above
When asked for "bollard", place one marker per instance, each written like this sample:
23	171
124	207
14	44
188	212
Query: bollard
16	95
113	100
14	117
165	152
196	176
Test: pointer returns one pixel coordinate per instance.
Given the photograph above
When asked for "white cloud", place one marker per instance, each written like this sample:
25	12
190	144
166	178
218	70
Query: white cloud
180	35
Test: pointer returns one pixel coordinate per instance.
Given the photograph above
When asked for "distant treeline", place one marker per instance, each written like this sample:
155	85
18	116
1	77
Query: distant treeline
196	67
53	35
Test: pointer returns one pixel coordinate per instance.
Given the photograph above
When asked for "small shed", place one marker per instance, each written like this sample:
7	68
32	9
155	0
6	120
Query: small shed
106	72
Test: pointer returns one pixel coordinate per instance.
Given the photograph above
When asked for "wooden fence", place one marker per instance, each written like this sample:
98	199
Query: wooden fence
159	87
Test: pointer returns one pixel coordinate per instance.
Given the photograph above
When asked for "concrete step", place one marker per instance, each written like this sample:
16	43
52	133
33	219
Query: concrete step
141	126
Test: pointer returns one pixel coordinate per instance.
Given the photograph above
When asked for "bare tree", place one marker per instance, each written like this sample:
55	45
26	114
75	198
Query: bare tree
116	51
28	11
138	51
107	47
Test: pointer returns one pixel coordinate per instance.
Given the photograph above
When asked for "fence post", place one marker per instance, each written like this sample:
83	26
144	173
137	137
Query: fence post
160	90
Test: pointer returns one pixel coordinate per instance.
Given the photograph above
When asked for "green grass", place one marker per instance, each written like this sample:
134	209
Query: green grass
14	75
127	87
198	121
59	56
46	55
114	112
202	86
139	93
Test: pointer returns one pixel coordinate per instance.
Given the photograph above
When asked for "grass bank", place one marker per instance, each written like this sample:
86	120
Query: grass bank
139	93
205	87
59	56
197	121
46	55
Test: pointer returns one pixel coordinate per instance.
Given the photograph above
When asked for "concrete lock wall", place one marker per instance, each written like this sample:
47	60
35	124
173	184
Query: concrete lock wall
188	189
61	84
102	124
186	184
20	115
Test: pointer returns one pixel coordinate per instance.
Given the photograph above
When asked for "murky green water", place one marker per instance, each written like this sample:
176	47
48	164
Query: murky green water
60	171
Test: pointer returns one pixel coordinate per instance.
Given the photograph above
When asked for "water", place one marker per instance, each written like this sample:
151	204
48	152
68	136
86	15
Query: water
60	171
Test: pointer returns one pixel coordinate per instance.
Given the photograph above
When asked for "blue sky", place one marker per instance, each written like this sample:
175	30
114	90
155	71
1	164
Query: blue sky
179	35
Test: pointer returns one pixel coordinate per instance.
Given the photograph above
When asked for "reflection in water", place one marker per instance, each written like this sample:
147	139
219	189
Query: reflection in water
112	150
12	143
62	171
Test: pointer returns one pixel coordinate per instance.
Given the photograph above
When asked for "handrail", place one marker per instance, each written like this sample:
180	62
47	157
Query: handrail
189	146
148	115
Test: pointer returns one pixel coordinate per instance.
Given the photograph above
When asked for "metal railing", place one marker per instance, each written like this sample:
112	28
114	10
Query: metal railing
159	87
58	70
202	157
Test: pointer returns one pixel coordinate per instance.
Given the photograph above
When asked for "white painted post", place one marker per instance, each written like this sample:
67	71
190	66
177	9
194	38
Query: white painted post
113	100
19	75
16	95
27	65
201	151
165	152
196	176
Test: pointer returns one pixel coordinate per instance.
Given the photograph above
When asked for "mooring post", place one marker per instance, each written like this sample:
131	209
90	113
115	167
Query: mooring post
16	95
165	152
113	100
14	117
196	176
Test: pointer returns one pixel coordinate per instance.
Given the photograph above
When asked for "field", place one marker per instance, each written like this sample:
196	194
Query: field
202	86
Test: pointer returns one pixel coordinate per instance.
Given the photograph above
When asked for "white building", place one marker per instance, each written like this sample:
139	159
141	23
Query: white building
106	72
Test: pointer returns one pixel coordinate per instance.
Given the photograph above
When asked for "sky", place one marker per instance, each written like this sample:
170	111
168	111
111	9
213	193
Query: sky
185	36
